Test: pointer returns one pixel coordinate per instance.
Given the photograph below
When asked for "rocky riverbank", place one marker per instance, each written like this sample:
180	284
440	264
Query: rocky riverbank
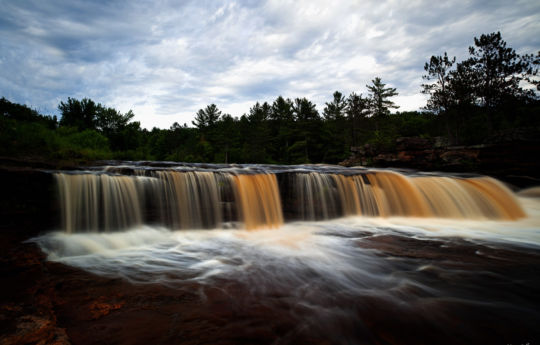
46	302
511	157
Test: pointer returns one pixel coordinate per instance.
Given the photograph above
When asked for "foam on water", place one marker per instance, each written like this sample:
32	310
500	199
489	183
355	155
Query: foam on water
294	254
525	231
419	250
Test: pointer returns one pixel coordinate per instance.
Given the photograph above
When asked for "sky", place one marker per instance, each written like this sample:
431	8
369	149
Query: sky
165	60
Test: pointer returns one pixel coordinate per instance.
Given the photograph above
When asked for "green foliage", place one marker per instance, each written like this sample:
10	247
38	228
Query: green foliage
492	90
23	113
110	120
22	138
206	118
335	129
80	114
297	152
379	98
87	139
479	95
358	110
335	109
438	69
69	143
498	69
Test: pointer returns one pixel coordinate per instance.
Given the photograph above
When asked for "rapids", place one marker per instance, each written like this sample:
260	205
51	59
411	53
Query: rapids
338	251
156	254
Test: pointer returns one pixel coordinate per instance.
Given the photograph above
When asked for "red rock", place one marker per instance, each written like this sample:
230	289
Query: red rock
100	308
32	329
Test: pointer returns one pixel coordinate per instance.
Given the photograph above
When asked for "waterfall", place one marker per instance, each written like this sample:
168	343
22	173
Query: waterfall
388	193
317	199
259	198
181	200
189	200
206	199
91	202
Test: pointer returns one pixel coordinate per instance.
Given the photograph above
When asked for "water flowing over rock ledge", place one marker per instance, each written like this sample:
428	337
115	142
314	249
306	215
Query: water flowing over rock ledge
113	196
124	275
193	197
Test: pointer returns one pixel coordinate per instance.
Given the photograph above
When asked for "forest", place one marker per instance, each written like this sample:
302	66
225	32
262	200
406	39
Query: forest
494	89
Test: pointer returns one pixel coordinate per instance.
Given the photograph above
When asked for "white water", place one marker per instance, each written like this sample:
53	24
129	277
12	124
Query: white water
293	254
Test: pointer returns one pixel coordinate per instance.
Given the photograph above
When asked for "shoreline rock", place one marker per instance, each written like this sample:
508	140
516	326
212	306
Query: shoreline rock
511	158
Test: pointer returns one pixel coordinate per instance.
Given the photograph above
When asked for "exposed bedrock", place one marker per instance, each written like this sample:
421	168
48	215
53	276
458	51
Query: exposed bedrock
511	157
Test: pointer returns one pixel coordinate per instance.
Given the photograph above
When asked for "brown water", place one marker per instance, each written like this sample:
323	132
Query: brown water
204	199
338	256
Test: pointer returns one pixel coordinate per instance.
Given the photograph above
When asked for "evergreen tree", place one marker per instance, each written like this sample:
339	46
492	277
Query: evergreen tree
378	95
336	108
206	117
259	113
438	69
336	129
258	137
282	110
304	110
228	140
358	108
499	70
281	128
306	148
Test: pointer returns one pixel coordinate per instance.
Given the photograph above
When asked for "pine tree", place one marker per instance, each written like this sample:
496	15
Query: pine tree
336	108
379	94
207	117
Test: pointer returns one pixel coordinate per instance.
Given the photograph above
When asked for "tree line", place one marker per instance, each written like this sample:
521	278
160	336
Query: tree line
494	89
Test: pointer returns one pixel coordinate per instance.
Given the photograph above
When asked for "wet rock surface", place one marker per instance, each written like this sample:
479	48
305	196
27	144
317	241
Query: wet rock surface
49	303
491	294
27	296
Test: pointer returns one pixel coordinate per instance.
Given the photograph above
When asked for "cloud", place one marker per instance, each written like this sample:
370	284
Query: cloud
166	60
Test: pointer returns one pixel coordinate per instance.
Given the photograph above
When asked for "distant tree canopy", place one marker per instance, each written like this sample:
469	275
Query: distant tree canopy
494	89
86	114
20	112
490	86
80	114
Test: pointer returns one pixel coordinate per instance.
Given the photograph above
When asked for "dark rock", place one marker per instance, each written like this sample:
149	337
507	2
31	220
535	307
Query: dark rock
385	158
460	156
440	142
413	143
29	200
27	295
509	155
514	135
33	329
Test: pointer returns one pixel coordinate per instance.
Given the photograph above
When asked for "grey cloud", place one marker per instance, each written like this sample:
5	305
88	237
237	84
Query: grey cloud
167	59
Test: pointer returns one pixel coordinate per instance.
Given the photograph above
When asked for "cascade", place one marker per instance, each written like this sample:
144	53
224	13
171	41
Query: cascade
316	195
90	202
180	200
388	193
189	200
259	199
207	198
271	240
